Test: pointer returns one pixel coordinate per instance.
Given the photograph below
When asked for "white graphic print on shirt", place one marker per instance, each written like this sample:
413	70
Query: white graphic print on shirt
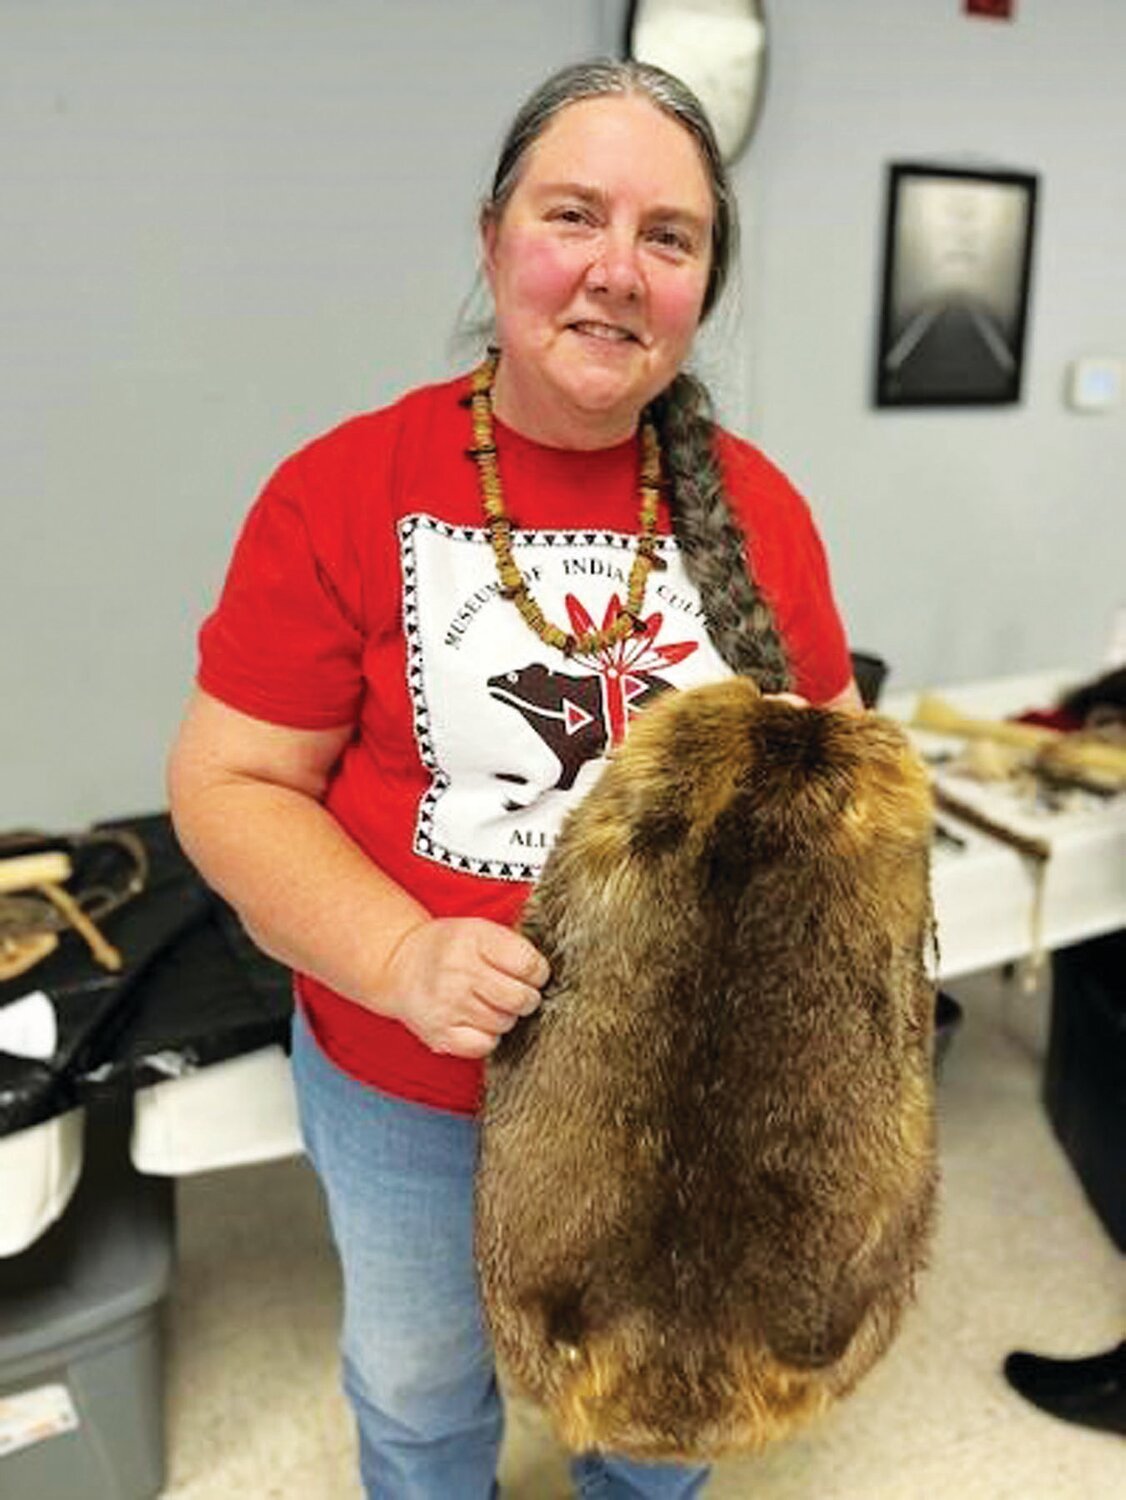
512	732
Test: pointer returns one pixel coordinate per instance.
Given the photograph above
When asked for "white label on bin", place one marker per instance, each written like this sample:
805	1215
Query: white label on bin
29	1417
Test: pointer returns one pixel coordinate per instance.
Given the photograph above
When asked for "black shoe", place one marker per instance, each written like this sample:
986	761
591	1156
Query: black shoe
1091	1391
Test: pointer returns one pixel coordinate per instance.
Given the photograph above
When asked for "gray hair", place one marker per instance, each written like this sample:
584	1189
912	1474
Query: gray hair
596	80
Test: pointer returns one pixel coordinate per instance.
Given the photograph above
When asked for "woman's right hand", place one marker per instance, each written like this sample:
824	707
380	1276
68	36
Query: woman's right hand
459	983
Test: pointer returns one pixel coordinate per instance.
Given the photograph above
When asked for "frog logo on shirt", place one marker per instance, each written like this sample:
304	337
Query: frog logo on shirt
579	716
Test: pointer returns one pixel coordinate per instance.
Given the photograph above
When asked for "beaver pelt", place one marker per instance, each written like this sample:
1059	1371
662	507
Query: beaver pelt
707	1173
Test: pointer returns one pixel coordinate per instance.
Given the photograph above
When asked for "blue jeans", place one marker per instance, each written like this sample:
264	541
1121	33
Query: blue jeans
418	1366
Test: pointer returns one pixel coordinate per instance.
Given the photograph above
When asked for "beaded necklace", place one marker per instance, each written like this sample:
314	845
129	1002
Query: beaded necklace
513	584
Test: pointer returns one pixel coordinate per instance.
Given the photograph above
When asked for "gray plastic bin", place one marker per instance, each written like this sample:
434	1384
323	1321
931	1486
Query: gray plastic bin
81	1309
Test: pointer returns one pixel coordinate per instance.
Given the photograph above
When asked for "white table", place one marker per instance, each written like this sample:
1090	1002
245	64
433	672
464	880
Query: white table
984	895
241	1111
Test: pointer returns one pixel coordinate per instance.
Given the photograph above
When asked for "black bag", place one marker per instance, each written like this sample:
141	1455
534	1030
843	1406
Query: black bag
1085	1075
190	989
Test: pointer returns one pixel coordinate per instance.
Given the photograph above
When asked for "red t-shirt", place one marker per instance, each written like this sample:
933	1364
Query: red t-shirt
363	591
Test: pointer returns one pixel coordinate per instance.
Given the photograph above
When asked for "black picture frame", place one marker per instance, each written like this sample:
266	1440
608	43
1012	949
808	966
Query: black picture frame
957	270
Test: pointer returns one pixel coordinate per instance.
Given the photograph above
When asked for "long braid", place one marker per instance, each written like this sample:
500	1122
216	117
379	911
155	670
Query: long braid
740	620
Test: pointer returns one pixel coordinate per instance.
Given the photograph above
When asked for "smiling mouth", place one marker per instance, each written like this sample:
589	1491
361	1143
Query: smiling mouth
608	333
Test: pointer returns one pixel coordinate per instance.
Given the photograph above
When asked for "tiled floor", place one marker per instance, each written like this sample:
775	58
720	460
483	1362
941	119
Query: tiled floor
1020	1261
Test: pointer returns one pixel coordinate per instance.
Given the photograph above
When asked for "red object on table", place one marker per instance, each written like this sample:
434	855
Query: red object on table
999	10
1049	718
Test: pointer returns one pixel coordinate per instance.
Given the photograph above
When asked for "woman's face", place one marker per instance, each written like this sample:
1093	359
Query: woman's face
598	267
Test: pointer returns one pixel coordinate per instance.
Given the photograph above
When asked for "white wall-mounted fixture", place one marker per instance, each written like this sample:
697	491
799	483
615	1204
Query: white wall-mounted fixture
1094	383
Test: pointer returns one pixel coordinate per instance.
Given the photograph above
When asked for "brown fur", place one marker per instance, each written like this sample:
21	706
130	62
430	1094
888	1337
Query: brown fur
708	1163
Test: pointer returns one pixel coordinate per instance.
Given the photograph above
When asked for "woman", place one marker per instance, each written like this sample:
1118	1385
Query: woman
391	719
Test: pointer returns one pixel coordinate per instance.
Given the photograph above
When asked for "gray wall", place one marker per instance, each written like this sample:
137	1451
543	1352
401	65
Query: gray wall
224	227
974	541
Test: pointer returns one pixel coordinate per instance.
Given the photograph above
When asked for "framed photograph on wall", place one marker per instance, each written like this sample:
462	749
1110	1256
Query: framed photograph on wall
956	272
